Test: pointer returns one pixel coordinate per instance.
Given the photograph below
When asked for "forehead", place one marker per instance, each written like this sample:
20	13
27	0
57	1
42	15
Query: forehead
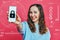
34	8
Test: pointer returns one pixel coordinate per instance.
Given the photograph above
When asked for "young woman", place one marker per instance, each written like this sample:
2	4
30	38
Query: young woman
34	28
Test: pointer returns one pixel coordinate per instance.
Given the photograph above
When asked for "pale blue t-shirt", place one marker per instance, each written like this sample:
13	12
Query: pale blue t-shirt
28	35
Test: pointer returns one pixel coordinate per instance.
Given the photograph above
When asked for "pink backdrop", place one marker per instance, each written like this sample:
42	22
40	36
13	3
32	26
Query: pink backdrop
8	31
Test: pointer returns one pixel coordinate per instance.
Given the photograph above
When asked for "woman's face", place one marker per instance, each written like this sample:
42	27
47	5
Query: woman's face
34	13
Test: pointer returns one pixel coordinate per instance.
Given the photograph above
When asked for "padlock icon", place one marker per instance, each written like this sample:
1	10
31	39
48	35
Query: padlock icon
12	14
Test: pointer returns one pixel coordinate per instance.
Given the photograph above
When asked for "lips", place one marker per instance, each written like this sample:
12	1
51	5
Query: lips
33	18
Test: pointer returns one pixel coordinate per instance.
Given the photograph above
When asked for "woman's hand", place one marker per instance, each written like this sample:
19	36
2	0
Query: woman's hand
18	20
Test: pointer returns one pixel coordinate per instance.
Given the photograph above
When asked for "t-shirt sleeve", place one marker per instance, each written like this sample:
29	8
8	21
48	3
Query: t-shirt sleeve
23	30
48	35
23	27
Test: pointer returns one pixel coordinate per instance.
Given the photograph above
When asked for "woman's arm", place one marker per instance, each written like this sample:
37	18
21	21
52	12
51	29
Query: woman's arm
19	27
18	23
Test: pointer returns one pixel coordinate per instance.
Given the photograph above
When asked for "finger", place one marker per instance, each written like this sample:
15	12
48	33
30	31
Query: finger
17	17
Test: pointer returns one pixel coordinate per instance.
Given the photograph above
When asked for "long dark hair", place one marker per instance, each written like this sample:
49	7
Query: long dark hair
41	23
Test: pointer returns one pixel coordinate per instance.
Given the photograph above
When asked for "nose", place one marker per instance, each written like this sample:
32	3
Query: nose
32	14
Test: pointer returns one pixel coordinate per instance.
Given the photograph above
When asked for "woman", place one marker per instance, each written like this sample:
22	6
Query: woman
34	28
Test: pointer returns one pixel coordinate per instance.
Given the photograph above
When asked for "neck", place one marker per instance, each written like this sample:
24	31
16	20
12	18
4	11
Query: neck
36	22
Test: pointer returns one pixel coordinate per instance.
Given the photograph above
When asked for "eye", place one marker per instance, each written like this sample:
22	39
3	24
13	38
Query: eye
30	12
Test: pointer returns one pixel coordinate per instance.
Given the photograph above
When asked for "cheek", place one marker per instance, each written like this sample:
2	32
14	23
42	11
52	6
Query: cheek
30	15
38	16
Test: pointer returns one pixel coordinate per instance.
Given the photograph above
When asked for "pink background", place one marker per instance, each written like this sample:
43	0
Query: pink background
8	31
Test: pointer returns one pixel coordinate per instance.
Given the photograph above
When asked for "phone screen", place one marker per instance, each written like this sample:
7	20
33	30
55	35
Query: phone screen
12	14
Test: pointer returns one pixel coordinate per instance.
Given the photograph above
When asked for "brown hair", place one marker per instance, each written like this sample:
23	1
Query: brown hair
42	26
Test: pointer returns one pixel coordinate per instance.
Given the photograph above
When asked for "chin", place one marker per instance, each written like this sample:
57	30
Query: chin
34	20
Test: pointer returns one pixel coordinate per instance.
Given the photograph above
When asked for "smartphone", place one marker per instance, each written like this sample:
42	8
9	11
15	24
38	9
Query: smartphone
12	14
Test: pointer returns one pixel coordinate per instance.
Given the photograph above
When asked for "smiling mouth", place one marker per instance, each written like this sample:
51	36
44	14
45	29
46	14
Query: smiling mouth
33	18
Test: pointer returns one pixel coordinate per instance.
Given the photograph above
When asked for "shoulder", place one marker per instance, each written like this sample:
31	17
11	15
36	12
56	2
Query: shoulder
24	22
48	29
48	32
